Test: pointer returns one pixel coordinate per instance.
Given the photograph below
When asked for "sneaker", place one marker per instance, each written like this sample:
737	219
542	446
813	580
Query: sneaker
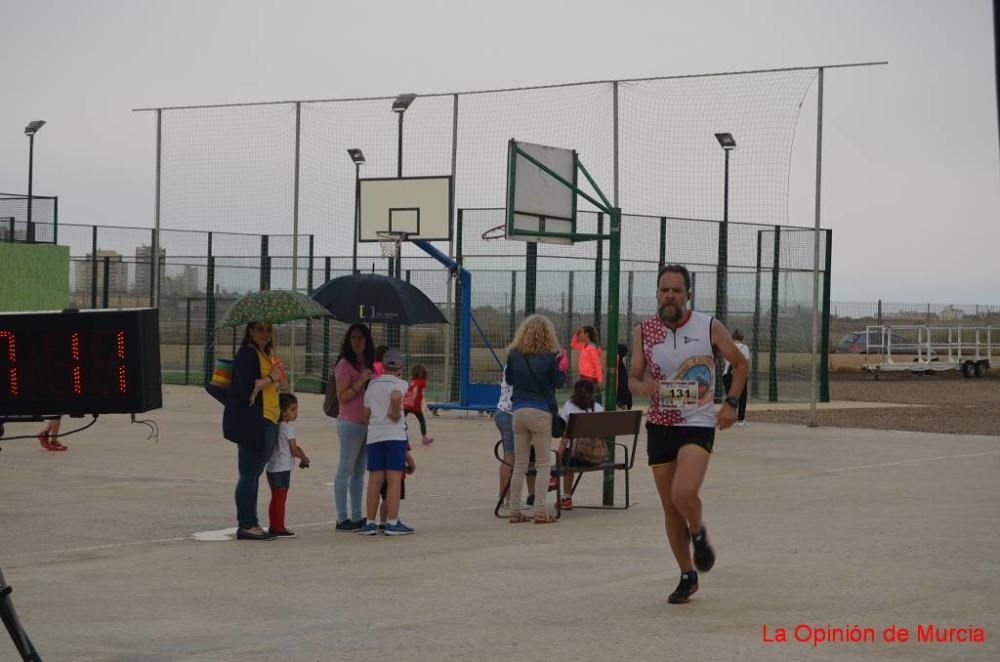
566	503
57	445
349	525
43	439
369	529
397	529
741	424
284	533
704	555
687	587
427	441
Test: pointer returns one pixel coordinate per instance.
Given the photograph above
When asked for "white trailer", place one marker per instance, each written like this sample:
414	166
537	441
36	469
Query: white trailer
923	348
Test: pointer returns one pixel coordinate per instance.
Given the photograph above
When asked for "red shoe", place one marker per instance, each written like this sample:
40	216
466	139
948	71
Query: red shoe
57	445
553	483
566	503
43	439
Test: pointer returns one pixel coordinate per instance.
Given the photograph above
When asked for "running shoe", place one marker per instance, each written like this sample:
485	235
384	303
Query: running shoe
687	587
704	555
397	529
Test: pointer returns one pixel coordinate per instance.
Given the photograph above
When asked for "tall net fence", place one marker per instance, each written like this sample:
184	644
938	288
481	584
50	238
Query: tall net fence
282	169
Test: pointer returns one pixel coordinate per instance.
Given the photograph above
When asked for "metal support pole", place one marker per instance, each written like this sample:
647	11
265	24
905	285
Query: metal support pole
663	243
106	262
93	267
326	332
295	234
30	234
530	277
208	355
824	363
755	339
611	355
187	340
450	344
772	371
357	218
155	266
814	377
599	275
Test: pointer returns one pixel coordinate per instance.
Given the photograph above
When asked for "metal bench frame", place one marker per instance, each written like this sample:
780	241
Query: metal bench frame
603	425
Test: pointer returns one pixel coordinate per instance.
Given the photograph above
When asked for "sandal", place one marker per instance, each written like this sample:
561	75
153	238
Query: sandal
517	517
543	517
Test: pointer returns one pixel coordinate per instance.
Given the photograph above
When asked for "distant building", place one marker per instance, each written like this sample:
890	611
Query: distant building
143	274
117	272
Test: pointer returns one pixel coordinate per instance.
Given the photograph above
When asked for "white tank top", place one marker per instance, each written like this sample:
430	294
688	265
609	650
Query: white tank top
683	362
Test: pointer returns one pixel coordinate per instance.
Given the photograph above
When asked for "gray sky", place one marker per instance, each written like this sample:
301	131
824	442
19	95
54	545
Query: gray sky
910	161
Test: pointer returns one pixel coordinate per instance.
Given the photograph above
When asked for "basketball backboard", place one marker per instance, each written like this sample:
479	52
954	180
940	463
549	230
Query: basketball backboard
419	206
539	207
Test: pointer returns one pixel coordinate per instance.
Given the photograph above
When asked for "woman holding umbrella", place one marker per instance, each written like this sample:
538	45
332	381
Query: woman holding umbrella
251	421
251	416
352	371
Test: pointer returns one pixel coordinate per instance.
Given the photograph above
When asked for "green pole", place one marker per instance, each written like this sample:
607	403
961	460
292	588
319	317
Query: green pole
824	366
611	363
772	371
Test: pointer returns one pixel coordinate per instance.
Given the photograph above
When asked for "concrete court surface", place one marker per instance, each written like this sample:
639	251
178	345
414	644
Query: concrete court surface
823	527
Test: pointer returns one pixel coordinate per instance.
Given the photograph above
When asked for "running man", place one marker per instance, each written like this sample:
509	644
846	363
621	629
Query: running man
673	363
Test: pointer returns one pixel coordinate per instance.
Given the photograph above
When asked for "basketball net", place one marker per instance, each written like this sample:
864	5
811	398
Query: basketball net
390	242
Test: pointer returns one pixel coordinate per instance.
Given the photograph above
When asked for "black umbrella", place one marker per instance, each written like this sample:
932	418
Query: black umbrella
369	298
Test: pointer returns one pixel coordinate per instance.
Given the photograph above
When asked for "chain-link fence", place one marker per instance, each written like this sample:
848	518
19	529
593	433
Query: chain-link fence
769	300
29	218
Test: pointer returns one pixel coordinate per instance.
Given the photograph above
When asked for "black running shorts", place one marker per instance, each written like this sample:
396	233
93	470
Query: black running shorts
664	441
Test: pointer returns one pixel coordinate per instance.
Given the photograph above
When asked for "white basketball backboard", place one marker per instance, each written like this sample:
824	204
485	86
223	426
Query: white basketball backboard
539	205
419	206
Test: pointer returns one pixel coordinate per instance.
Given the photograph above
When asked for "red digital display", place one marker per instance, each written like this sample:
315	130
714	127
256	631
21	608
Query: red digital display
88	362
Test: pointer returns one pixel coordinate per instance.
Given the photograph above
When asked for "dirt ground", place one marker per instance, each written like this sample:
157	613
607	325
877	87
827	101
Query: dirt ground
945	403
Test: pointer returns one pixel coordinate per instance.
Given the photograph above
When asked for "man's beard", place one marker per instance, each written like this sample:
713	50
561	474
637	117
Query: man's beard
672	315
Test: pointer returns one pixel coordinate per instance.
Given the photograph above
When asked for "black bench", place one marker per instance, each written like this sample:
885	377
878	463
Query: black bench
602	425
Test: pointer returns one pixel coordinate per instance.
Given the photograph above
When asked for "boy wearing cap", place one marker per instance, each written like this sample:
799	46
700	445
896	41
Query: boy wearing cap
387	444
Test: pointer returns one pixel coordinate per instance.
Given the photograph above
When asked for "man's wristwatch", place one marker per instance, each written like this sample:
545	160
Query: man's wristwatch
733	402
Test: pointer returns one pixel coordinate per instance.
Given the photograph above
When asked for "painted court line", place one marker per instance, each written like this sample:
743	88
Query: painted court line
887	464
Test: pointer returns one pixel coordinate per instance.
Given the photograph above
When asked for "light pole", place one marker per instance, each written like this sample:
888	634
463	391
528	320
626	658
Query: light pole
358	158
722	264
399	106
30	131
722	267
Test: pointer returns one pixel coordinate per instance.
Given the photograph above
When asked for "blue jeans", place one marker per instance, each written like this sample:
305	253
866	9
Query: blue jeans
251	465
505	424
350	468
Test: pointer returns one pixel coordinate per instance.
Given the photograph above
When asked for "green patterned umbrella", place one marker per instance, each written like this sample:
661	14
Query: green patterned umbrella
274	306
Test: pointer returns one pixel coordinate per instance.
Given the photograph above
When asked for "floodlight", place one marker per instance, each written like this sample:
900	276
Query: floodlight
726	140
33	127
356	155
403	102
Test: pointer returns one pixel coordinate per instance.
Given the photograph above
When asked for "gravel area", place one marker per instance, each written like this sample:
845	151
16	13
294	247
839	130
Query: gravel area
949	403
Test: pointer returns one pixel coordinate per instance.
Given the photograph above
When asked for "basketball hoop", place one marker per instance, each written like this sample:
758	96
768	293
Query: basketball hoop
499	232
390	242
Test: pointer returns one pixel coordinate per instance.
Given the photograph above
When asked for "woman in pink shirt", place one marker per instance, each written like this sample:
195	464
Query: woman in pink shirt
352	370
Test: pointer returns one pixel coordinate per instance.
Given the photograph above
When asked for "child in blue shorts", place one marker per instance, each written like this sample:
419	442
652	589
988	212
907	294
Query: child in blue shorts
387	445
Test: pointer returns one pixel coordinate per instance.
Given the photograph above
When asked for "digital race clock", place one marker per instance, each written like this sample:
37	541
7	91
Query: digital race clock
79	362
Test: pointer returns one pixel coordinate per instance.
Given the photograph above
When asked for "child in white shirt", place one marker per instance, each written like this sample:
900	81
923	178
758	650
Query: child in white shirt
279	468
387	444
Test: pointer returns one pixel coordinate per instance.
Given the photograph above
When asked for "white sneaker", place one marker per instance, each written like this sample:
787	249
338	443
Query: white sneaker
741	423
